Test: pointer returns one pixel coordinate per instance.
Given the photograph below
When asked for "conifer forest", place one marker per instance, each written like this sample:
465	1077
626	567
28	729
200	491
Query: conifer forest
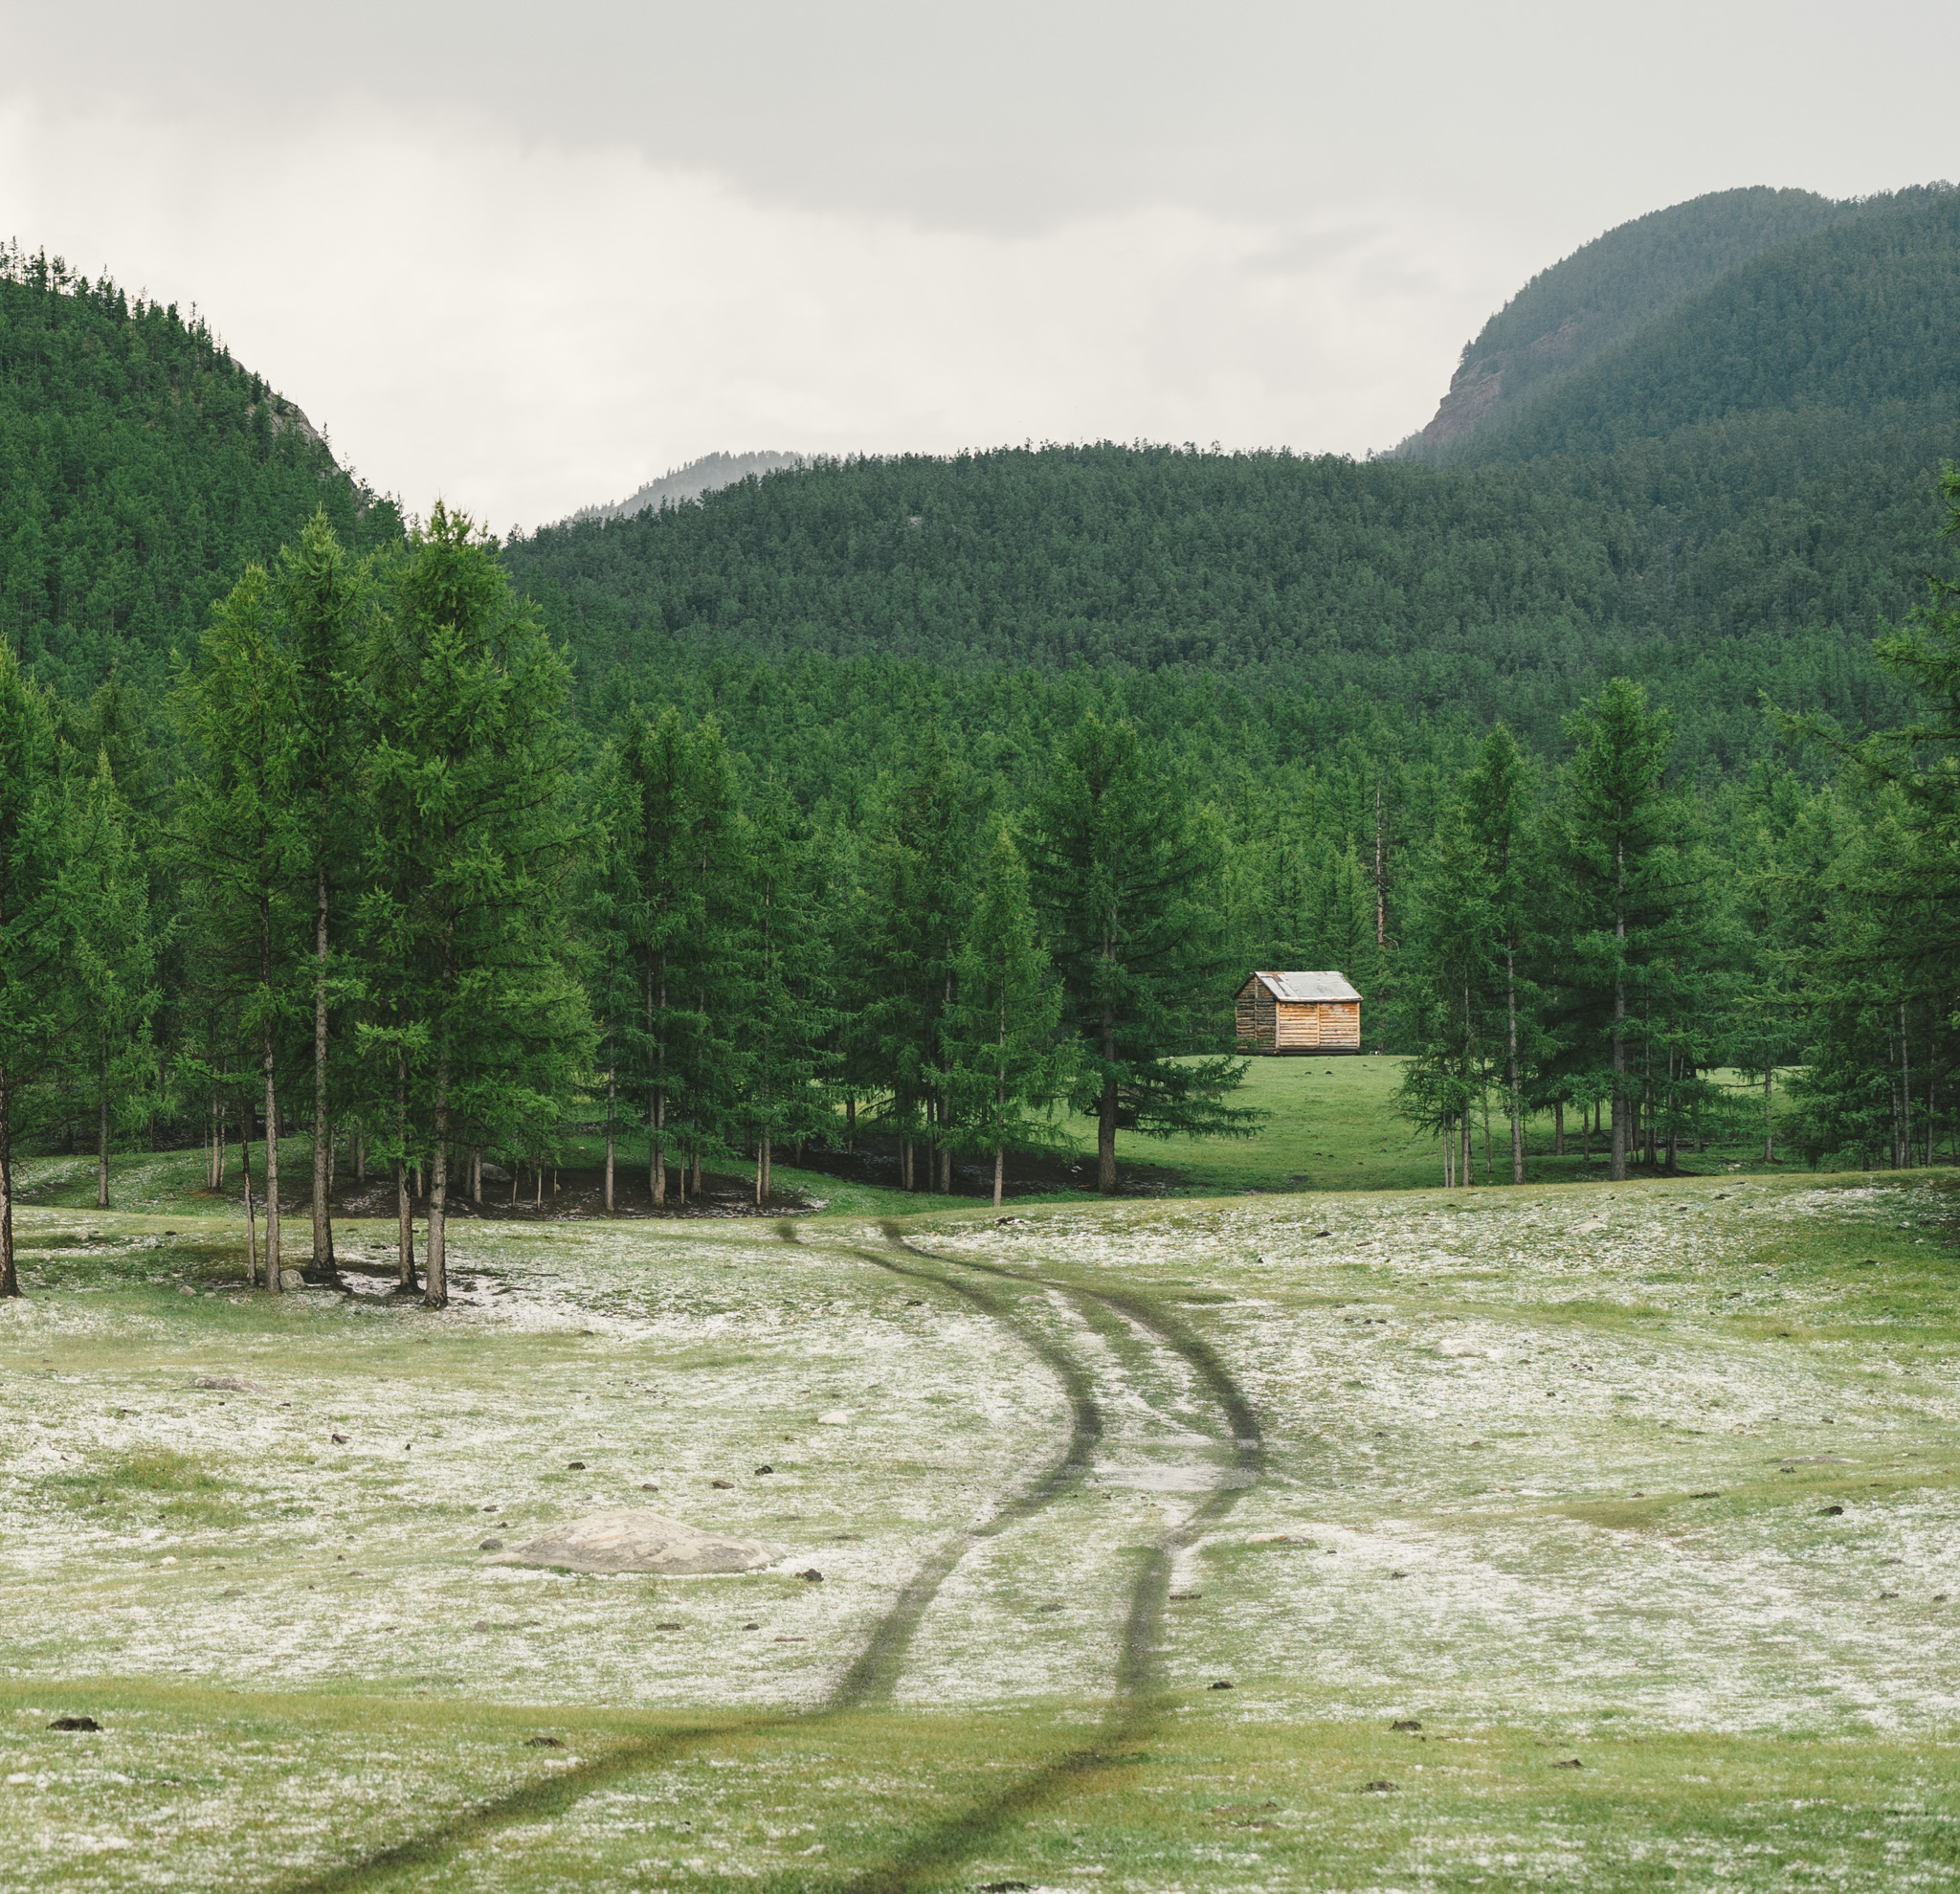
929	799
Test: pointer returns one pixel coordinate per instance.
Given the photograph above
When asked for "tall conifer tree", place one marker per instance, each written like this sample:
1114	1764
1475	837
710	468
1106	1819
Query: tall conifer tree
1129	893
31	936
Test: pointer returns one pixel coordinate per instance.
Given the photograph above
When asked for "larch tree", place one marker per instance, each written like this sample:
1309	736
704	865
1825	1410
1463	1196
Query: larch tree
110	962
469	773
1126	883
1615	828
1498	800
1011	1068
30	934
236	702
319	593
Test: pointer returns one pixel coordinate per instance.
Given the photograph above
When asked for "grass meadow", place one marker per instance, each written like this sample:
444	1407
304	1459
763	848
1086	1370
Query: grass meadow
1569	1536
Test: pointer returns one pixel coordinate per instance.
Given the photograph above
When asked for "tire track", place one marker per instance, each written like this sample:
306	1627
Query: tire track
871	1676
1135	1713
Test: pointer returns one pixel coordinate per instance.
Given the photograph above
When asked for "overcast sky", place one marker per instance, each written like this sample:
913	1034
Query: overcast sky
527	256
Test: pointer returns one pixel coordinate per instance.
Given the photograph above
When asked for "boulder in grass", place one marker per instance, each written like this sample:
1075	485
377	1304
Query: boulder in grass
638	1542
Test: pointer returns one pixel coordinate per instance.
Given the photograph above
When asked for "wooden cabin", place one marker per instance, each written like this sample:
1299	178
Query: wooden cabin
1299	1013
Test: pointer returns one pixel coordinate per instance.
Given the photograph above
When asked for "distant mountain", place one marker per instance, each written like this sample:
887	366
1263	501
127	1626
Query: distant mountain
1850	328
707	475
1568	315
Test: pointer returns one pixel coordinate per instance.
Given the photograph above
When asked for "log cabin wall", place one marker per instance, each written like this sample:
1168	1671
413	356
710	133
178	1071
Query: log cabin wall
1255	1021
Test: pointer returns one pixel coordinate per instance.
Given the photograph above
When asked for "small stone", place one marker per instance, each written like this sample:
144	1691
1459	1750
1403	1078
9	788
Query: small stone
338	1440
1048	1608
74	1722
1003	1886
1379	1787
225	1384
574	1466
1184	1597
916	1302
751	1626
1887	1595
671	1625
1223	1684
648	1486
811	1575
481	1624
1404	1722
725	1485
291	1280
542	1743
1828	1512
1705	1496
765	1469
1399	1574
1571	1762
491	1546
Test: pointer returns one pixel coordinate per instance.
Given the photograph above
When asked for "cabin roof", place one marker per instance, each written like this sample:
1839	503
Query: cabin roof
1308	986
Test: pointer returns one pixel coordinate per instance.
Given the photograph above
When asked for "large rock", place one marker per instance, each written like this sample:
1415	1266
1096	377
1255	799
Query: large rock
638	1542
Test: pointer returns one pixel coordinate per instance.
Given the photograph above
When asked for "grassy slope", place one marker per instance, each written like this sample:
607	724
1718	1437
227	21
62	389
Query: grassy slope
1332	1126
1546	1470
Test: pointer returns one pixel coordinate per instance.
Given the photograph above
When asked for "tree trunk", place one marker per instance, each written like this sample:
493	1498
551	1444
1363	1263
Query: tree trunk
403	1230
103	1148
274	1261
360	1156
1558	1128
1105	1125
10	1276
1769	1084
404	1204
610	1094
1512	1076
435	1287
251	1216
323	1145
1617	1169
1904	1095
477	1176
851	1125
657	1116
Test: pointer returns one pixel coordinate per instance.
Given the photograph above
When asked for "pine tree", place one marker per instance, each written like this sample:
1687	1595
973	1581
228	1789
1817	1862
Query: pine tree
1128	895
1010	1070
30	935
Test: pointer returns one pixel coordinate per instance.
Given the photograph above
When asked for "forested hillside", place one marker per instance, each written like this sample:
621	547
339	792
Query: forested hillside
1854	322
1604	291
141	467
829	803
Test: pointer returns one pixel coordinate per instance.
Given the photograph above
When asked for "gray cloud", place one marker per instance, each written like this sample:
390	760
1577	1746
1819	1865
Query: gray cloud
530	256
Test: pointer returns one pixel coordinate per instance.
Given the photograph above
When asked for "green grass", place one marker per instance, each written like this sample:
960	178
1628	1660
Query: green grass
1550	1471
1330	1125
